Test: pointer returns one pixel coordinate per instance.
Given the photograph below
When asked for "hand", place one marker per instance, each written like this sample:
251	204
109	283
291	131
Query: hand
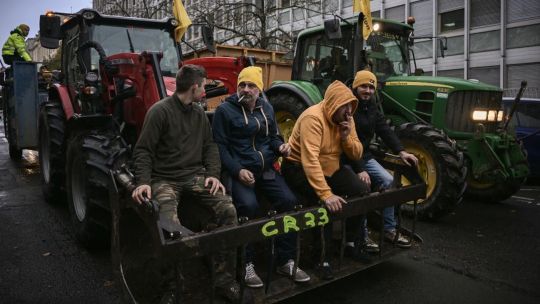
141	193
215	185
364	177
285	150
334	202
345	128
408	158
246	177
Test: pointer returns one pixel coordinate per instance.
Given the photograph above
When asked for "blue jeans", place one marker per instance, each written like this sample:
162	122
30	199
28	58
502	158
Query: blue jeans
282	200
381	179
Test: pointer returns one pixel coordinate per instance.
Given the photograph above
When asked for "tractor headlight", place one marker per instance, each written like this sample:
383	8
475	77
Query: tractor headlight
376	27
89	15
500	115
174	22
479	115
492	115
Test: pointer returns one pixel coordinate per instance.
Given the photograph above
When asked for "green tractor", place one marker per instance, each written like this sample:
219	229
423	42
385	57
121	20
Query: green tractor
452	125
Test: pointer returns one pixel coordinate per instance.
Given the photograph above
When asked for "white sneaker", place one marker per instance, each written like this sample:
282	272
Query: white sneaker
251	278
287	269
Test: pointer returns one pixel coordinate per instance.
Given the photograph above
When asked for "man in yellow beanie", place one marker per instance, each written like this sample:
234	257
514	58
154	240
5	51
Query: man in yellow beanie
368	122
15	48
247	137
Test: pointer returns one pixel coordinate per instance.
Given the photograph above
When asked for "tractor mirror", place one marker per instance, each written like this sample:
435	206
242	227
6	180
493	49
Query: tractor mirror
208	38
332	29
49	31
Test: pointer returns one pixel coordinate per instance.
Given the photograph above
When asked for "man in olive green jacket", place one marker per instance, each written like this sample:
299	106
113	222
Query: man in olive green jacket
15	48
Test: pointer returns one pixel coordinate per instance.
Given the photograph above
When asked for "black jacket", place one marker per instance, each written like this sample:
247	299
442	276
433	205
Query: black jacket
246	140
370	121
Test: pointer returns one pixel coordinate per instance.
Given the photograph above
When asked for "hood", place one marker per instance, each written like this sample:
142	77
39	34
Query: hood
445	82
337	94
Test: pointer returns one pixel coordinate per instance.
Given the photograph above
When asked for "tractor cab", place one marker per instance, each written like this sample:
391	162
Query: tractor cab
324	57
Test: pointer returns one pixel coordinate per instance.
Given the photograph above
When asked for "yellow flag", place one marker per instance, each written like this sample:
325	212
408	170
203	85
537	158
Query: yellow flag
364	7
183	20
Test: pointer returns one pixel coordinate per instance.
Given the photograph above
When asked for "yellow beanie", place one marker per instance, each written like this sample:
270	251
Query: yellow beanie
363	77
252	74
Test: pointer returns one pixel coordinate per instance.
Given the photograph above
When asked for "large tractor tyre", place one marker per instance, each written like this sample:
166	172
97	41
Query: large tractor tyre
441	166
287	108
493	192
89	159
52	151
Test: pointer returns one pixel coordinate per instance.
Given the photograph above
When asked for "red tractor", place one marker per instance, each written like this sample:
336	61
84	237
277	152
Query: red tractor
113	70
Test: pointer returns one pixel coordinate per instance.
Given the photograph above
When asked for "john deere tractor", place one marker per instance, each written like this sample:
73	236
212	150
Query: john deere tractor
452	125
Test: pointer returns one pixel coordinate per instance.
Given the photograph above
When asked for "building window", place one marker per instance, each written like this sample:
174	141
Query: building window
285	3
524	36
489	75
284	17
458	73
376	14
298	14
519	72
423	49
395	13
485	12
452	20
454	46
422	12
518	10
487	41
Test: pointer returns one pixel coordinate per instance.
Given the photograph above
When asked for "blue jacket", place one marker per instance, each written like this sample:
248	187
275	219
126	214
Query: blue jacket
246	140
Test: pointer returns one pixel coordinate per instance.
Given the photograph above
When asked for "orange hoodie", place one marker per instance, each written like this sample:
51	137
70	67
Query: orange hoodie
315	140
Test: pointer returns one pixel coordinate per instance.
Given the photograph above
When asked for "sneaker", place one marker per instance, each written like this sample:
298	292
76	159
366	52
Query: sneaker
252	279
401	241
370	246
287	269
325	271
357	254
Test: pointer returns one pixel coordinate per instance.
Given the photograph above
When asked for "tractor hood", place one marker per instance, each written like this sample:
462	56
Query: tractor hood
448	83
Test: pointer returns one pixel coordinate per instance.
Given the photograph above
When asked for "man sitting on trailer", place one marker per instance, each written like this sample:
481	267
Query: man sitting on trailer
321	134
370	121
176	156
246	133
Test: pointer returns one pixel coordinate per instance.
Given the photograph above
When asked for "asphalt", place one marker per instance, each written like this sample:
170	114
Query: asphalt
481	253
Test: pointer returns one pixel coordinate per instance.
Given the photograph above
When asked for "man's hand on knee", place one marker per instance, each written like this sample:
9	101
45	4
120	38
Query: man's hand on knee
215	185
141	193
364	177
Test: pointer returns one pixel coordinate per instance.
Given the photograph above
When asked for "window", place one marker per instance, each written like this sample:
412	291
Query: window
376	14
298	14
519	72
485	12
487	41
285	3
522	10
452	20
458	73
284	17
423	49
489	75
395	13
422	12
454	46
523	36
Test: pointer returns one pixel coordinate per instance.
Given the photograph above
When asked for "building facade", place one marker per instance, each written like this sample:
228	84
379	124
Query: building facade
494	41
37	52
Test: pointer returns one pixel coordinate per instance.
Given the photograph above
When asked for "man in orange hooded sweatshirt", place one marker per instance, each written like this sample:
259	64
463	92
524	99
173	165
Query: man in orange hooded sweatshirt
321	134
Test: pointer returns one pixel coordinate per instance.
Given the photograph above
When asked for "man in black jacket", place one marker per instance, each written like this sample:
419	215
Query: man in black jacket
246	133
370	121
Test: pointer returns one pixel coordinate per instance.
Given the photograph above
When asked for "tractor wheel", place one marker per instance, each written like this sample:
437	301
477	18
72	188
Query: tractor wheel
441	166
52	151
287	109
89	159
493	192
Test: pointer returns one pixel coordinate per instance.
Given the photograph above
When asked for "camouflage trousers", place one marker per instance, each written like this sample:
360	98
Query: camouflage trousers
169	194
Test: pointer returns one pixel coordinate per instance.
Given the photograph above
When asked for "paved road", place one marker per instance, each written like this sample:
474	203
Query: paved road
482	253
